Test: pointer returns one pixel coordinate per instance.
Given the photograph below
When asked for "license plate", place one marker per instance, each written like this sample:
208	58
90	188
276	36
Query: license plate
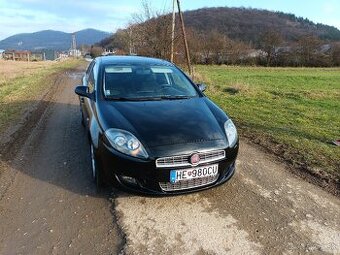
193	173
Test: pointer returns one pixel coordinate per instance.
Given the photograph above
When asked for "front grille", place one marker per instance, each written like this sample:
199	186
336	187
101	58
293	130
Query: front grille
188	184
184	160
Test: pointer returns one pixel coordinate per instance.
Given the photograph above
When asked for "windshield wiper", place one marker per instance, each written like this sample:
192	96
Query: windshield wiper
122	98
156	98
133	98
173	97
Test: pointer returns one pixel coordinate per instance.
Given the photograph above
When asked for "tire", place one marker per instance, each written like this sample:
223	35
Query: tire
97	174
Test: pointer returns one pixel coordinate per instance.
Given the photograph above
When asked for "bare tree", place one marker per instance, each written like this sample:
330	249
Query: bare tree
235	51
209	45
215	48
308	49
151	32
95	51
336	54
270	40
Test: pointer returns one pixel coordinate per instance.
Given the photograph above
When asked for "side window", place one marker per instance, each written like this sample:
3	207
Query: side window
89	68
90	83
87	73
92	78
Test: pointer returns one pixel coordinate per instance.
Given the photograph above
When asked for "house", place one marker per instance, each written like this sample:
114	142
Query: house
23	55
74	53
1	54
17	55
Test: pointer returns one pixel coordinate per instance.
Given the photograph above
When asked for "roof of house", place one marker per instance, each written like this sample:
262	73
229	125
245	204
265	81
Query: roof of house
18	51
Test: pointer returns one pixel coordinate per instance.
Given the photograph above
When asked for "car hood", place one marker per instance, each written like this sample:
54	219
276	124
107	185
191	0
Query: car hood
168	127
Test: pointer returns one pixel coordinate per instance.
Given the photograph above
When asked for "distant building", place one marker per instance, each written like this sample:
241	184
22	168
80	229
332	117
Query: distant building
325	48
62	55
16	55
256	54
74	53
108	52
1	54
23	55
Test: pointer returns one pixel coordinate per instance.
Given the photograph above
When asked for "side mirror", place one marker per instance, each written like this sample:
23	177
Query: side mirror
82	91
202	87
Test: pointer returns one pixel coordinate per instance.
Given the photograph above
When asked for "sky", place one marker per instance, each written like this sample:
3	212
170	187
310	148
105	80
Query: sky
26	16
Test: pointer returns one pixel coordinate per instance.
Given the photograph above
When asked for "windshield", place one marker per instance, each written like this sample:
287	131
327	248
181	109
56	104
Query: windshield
146	83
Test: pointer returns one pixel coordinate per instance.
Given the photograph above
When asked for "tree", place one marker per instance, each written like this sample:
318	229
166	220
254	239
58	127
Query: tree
336	54
211	46
150	32
308	49
95	51
270	41
235	51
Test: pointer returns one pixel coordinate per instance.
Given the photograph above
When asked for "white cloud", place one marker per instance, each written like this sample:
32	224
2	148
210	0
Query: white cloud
19	16
69	16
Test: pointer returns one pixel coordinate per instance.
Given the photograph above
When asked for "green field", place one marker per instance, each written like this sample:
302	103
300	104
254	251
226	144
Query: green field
294	112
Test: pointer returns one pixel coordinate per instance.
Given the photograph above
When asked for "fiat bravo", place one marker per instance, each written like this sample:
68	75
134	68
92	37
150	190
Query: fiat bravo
152	130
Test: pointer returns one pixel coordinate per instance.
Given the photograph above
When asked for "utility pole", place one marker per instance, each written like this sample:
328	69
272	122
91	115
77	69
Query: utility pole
184	37
73	45
173	31
130	40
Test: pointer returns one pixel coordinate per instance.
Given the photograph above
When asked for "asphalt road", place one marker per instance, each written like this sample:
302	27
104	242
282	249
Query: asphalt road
48	203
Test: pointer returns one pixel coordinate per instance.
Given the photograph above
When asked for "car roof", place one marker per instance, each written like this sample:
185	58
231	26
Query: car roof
132	60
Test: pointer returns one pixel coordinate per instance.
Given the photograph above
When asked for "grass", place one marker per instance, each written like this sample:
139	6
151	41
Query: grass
295	112
22	84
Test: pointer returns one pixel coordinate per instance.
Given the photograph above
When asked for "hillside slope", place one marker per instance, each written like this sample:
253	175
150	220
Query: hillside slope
50	39
247	24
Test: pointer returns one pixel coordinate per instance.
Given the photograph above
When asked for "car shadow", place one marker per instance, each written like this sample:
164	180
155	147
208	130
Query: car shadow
52	146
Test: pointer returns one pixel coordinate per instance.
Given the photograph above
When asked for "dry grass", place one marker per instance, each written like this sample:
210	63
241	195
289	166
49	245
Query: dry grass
12	69
23	83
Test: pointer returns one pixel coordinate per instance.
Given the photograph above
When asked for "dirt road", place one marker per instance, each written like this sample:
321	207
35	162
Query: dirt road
49	206
48	202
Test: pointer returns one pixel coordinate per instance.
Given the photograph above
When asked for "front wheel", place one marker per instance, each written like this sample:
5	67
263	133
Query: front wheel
96	170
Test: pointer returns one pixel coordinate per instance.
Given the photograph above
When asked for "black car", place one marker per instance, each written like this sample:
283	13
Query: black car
152	130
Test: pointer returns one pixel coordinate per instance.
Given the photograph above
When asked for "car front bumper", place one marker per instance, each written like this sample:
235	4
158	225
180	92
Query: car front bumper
142	176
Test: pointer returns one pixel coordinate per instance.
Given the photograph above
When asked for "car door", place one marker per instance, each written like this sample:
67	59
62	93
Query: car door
89	79
82	99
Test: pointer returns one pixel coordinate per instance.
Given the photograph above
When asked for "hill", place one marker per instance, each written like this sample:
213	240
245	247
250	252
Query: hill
232	36
50	39
247	24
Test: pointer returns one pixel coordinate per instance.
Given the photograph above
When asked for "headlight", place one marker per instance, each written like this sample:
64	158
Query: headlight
126	143
231	132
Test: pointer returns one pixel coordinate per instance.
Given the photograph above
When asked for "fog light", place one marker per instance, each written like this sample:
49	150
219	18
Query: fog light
128	179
